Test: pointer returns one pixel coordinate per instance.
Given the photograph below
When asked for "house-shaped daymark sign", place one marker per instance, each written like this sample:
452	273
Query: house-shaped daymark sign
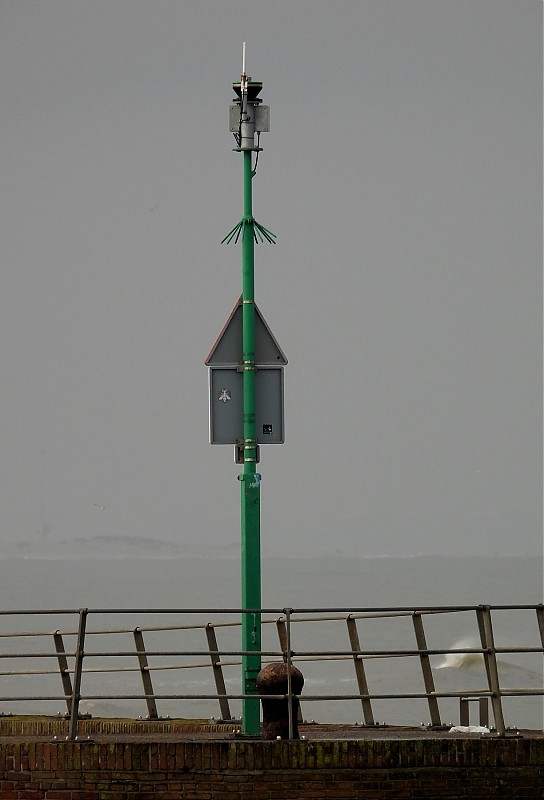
226	383
227	348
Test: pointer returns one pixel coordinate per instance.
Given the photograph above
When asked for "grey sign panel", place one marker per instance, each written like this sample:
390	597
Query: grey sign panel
262	119
234	118
227	350
226	405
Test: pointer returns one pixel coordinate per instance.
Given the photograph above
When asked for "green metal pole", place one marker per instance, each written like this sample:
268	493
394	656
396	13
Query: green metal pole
250	479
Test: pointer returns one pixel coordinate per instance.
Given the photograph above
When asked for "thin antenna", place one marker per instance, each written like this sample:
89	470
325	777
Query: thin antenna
243	84
243	80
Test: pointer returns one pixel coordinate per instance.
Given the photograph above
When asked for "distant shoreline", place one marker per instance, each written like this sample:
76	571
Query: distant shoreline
145	556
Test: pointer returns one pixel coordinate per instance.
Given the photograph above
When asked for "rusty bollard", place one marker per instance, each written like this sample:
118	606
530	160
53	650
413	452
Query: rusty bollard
272	679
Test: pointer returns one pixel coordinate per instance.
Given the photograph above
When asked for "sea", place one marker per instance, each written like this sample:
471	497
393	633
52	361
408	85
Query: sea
172	600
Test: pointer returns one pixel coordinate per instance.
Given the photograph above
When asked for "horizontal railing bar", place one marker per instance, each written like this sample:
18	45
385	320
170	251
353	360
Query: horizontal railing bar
306	697
29	612
393	696
32	655
155	653
159	667
292	611
176	653
324	654
423	695
382	615
341	617
387	653
33	698
156	628
400	653
415	609
49	698
23	634
26	672
321	658
332	653
99	670
165	667
199	626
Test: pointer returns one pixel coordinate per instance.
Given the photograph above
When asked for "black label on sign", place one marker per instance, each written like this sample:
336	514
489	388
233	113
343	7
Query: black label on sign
267	429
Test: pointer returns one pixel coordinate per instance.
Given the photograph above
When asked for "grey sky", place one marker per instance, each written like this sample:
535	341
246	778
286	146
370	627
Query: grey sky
402	176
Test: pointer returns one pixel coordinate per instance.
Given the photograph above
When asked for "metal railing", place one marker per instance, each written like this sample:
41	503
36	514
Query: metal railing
76	655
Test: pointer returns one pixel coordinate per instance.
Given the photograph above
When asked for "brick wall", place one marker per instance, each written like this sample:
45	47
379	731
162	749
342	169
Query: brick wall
305	770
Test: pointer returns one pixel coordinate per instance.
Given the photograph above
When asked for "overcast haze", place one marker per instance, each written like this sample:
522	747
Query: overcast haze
402	176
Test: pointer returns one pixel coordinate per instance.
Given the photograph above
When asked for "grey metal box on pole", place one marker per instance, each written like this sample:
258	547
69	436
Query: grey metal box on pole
226	405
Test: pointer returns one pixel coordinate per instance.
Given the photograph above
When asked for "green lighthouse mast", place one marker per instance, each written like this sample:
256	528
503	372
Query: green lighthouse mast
246	387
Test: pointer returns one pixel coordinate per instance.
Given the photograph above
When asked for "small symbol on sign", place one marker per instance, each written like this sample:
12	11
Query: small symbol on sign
224	396
267	429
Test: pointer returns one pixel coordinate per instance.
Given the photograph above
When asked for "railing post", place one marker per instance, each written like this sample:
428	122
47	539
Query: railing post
64	670
287	612
490	661
282	636
218	673
360	670
540	620
78	671
146	675
426	669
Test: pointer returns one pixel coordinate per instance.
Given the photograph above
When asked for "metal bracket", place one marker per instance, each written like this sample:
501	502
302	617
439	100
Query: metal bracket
239	450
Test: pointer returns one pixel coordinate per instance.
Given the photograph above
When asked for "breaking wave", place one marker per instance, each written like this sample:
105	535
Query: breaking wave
472	660
461	660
